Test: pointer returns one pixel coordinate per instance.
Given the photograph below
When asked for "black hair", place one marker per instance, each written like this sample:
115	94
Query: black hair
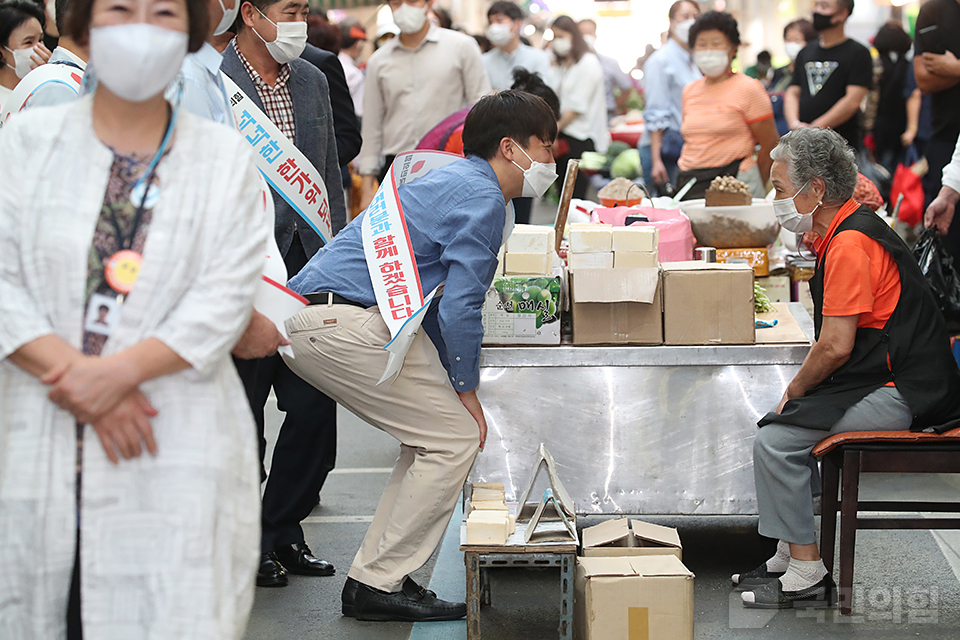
322	33
483	42
531	82
350	31
508	114
892	37
805	27
76	22
567	25
13	14
675	7
846	4
443	17
764	57
504	8
716	21
61	9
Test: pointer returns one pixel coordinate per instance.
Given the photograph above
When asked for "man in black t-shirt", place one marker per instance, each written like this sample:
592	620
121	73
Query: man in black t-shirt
937	68
831	77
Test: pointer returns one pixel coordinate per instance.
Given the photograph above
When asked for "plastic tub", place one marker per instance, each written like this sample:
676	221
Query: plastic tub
753	225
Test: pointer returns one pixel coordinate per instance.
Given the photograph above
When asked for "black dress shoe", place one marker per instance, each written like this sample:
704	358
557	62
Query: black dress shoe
271	572
412	603
300	561
348	598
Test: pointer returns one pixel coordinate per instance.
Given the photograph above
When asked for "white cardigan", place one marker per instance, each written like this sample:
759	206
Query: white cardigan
170	544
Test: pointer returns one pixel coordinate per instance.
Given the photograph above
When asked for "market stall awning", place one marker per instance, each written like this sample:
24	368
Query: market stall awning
327	5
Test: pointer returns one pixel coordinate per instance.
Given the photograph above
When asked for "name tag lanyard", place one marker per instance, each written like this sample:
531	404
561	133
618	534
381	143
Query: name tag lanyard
123	267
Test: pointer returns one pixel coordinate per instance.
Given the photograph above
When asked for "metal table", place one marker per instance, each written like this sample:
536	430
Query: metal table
639	430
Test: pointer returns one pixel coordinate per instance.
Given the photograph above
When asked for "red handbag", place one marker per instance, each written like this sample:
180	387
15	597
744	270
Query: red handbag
907	181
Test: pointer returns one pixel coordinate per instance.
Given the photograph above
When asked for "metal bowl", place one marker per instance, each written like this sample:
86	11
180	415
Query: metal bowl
749	226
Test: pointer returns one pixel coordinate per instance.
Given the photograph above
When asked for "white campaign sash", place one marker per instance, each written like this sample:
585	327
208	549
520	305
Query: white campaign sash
56	73
390	258
283	166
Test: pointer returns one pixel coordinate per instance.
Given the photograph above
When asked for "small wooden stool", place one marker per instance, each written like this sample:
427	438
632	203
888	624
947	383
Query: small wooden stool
878	452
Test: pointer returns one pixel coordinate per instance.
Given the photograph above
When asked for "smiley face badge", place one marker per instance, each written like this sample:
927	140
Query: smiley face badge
122	270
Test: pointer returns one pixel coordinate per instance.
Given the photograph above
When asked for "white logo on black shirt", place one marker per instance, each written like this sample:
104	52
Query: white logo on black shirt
818	73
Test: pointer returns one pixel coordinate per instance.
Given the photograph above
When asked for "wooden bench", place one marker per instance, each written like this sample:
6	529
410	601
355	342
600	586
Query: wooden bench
878	452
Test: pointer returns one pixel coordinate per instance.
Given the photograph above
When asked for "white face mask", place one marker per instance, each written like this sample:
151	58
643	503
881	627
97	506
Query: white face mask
21	58
538	178
137	61
229	16
562	47
590	40
791	219
712	62
499	34
291	40
792	49
410	19
682	31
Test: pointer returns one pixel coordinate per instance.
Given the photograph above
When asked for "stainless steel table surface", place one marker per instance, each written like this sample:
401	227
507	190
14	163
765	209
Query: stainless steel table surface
637	430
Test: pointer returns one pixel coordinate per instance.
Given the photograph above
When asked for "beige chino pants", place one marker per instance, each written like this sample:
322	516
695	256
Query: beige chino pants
339	350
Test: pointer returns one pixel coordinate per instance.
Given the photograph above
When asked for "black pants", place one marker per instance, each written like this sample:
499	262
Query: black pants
387	161
939	153
577	147
306	447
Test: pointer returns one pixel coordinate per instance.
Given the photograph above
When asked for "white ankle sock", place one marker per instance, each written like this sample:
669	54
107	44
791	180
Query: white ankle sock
802	574
781	559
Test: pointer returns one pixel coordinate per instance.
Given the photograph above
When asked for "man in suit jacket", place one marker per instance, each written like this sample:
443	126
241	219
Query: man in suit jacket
295	96
345	121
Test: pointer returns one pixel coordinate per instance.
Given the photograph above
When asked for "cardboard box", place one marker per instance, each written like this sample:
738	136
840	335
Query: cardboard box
635	260
635	239
708	303
629	537
592	260
758	259
777	287
616	306
528	238
522	310
590	238
525	264
646	597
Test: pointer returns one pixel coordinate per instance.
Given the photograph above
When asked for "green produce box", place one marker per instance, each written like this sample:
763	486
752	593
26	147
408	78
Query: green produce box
522	310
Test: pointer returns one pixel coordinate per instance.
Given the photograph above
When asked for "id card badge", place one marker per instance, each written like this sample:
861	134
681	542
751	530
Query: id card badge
103	314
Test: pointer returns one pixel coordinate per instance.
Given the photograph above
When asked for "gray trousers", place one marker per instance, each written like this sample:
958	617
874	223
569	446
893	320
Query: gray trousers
787	476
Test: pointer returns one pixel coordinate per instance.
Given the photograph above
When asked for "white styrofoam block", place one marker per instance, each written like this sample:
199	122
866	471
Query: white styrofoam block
593	260
491	527
635	238
591	238
635	259
524	264
528	238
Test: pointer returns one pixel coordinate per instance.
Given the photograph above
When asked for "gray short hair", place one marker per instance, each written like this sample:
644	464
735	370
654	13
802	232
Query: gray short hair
812	152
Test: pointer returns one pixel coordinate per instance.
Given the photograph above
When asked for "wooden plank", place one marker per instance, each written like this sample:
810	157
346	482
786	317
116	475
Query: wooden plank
787	330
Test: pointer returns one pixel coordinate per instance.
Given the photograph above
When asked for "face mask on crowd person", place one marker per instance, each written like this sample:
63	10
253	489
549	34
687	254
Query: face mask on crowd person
712	62
22	62
792	49
410	19
538	178
291	39
682	30
590	40
562	46
791	219
823	21
229	16
137	61
499	33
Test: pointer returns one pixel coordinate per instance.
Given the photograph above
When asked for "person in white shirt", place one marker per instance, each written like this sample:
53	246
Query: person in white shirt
416	80
578	78
21	43
508	53
613	76
70	54
352	40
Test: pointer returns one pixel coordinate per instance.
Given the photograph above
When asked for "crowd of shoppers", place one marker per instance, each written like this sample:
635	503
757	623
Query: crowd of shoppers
135	360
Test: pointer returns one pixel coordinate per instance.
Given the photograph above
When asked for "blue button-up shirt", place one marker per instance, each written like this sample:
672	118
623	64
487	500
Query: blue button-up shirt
665	74
203	91
455	218
500	64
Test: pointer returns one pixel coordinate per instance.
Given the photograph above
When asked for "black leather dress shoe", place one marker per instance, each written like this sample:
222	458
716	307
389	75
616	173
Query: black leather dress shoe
271	572
412	603
300	561
348	598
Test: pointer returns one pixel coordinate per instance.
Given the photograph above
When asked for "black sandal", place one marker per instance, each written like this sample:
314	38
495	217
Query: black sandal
754	578
822	595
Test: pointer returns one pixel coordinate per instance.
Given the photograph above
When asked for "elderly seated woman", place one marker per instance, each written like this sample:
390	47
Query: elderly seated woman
881	360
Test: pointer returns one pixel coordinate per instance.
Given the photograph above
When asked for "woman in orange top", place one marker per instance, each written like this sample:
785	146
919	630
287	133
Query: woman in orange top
725	114
881	360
